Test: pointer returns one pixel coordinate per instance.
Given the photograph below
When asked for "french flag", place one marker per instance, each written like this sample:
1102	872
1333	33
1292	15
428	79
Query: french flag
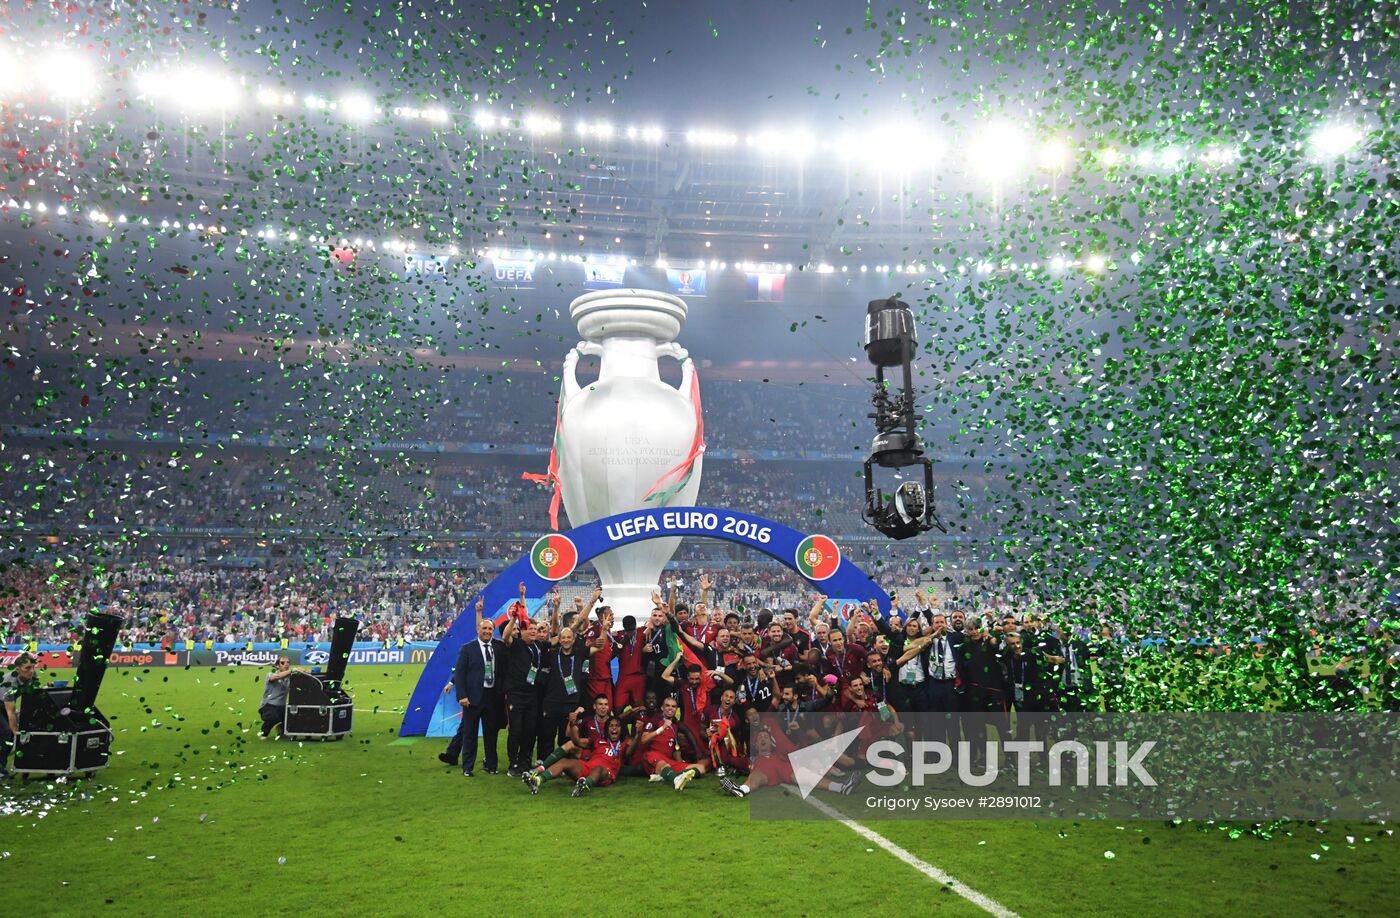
766	288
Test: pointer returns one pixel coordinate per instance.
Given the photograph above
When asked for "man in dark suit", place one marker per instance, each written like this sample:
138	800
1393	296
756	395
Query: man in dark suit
984	672
480	684
1076	675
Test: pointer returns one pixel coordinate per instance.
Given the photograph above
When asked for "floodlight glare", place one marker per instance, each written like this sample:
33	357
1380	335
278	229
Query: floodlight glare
892	149
999	151
357	107
1330	141
1171	157
67	75
1053	155
539	124
14	76
200	89
1220	155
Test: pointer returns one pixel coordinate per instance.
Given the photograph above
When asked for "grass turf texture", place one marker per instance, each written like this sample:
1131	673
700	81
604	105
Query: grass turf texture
196	812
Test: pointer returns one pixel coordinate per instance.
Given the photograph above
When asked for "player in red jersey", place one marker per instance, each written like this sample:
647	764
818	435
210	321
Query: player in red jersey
631	678
582	729
845	659
770	766
694	699
726	749
597	764
599	641
656	747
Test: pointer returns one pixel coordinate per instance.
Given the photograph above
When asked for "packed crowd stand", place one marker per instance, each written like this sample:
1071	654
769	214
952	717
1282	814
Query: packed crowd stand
270	493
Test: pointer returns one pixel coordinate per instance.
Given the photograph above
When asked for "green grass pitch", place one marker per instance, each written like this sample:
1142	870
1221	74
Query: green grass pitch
197	815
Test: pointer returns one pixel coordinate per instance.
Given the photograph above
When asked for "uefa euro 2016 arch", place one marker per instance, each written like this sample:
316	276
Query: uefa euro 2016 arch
815	558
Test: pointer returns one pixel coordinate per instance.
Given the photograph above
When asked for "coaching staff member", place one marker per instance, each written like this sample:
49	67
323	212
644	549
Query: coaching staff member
479	679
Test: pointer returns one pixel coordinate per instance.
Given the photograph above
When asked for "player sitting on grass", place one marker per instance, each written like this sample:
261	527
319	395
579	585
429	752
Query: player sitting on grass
770	766
656	744
590	727
599	760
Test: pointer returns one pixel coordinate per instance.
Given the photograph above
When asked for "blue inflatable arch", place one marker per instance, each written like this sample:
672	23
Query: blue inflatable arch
592	539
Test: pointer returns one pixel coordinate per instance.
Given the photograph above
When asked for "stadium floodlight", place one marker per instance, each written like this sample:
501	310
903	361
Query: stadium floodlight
484	120
1110	157
67	75
999	151
703	137
652	134
1058	264
1220	155
14	75
357	107
1334	139
542	124
796	144
1096	263
1171	158
198	89
766	142
602	129
436	114
1054	155
897	148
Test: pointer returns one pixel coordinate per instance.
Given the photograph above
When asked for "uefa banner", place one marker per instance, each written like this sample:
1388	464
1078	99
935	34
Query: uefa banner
510	273
600	276
686	282
425	265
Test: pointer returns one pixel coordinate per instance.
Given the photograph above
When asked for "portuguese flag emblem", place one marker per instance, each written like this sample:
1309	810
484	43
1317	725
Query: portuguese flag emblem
817	557
554	557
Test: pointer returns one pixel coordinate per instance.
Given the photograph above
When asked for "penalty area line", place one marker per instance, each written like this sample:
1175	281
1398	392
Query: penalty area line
986	903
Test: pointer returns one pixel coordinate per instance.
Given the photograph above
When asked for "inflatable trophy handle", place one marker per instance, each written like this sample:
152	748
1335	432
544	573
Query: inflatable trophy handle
672	349
584	349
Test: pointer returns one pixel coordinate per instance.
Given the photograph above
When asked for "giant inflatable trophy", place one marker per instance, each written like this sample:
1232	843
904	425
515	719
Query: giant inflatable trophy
628	441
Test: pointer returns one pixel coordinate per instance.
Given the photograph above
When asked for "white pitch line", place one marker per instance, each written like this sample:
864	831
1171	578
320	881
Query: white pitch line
985	903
